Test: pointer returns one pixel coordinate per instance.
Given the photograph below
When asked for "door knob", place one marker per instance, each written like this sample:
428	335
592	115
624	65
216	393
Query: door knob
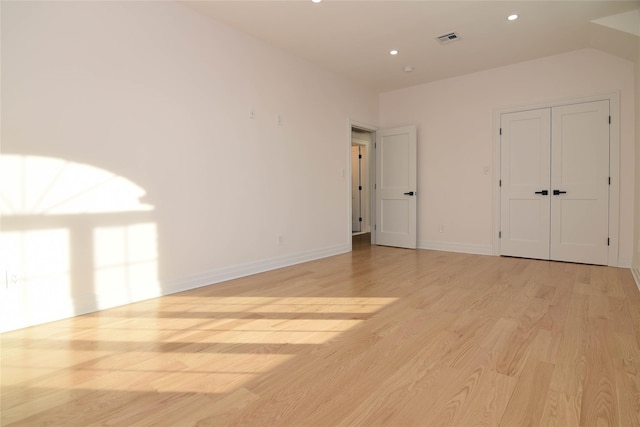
410	193
543	192
558	192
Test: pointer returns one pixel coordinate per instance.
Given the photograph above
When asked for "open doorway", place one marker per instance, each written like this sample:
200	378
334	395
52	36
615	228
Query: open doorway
386	200
362	141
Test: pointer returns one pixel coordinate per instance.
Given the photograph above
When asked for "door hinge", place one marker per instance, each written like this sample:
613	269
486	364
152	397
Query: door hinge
360	187
375	226
375	186
608	241
375	145
499	234
609	180
500	183
360	219
359	156
609	119
500	131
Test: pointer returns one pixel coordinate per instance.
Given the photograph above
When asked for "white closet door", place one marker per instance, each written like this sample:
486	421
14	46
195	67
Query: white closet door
580	183
525	175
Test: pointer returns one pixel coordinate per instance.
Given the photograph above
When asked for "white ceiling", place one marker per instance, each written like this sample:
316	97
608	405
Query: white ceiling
353	37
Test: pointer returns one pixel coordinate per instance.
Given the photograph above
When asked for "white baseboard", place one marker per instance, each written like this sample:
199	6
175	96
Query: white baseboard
241	270
456	247
636	275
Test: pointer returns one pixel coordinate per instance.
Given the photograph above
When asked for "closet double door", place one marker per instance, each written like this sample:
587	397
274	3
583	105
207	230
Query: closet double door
555	181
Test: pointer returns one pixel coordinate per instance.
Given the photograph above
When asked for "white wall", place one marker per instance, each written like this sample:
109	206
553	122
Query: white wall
456	134
159	95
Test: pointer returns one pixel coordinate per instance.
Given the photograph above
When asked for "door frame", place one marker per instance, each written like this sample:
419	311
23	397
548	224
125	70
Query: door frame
614	164
371	162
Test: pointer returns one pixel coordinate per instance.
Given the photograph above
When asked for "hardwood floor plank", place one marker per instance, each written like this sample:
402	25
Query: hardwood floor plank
564	400
487	407
599	398
632	297
626	365
525	408
383	405
620	316
511	362
462	390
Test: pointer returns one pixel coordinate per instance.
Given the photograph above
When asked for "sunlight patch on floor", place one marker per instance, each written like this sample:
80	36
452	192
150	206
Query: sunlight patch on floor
163	354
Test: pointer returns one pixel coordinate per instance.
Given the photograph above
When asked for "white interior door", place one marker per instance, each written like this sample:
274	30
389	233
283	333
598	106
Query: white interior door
525	175
396	182
580	183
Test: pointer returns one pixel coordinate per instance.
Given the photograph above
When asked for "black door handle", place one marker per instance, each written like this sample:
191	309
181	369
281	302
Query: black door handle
558	192
543	192
410	193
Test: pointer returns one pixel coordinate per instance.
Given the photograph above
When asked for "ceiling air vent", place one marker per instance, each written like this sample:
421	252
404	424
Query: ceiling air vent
448	38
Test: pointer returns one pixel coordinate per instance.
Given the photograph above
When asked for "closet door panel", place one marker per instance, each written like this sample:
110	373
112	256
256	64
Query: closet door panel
580	183
525	178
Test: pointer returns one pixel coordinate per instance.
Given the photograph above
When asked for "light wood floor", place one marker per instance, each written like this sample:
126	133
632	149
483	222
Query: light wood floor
379	337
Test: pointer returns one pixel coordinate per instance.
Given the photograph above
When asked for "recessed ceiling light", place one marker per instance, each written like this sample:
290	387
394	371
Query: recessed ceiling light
316	1
393	52
408	69
512	17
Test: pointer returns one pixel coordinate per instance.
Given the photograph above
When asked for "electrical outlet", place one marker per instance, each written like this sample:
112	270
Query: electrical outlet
9	279
441	228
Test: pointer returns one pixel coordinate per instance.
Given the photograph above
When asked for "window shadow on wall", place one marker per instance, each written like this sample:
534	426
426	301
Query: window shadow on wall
74	238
